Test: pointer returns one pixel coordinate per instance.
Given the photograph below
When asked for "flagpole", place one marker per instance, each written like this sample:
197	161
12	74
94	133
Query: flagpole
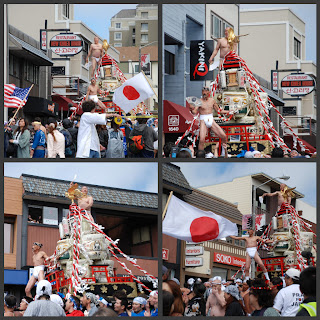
166	207
149	83
20	105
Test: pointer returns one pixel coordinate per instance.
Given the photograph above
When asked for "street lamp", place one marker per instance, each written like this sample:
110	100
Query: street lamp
253	266
149	44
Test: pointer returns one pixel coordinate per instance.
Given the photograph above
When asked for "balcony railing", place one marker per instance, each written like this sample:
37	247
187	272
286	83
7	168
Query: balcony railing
304	126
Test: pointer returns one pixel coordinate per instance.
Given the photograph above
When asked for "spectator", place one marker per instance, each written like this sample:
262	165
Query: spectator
277	152
167	149
115	141
72	307
233	305
42	306
288	299
89	301
200	154
39	142
120	307
24	304
277	285
308	287
69	150
10	302
168	300
138	306
196	305
152	305
103	139
42	128
178	304
184	153
294	154
104	312
56	142
73	130
261	299
22	139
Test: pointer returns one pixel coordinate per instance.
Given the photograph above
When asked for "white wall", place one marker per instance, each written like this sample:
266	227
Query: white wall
308	212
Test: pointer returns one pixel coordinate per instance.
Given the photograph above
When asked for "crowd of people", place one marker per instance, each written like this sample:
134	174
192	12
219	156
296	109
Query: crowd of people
48	304
291	295
88	136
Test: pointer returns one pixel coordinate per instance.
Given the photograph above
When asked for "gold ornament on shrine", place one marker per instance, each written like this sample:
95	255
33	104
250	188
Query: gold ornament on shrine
287	193
232	38
105	45
74	193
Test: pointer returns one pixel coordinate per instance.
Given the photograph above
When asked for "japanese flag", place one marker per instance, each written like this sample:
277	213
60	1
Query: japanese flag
186	222
132	92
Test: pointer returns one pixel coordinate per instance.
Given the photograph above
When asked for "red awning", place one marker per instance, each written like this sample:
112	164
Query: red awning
63	102
175	117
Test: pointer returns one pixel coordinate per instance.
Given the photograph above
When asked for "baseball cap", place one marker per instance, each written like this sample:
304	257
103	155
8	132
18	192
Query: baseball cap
293	273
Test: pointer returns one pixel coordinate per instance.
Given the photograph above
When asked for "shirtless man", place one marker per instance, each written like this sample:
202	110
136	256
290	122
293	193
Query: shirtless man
95	51
252	252
223	46
92	94
39	257
216	302
207	121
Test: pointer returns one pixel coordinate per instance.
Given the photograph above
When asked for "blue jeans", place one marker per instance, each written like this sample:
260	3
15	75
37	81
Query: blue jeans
94	154
39	154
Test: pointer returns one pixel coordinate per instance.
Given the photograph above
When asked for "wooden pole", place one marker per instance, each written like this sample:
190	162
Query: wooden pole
20	105
166	207
149	83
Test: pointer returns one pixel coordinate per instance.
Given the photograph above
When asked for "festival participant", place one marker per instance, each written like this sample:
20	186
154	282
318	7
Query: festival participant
244	293
216	302
206	119
95	51
284	195
138	306
39	257
252	252
196	305
39	142
72	307
288	299
120	307
232	298
42	306
89	302
88	145
24	304
92	94
152	305
225	45
22	139
277	285
10	302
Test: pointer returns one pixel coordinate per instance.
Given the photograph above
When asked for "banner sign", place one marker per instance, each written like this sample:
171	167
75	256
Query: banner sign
299	84
200	53
43	39
247	222
146	64
66	44
274	80
227	259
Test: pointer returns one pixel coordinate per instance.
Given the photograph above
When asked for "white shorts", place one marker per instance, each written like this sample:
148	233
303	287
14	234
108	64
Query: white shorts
97	59
36	271
94	98
208	119
251	251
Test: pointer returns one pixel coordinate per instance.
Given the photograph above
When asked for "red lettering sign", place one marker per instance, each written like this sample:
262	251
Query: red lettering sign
227	259
165	254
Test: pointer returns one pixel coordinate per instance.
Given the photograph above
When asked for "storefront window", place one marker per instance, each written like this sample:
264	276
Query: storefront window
50	215
43	215
219	272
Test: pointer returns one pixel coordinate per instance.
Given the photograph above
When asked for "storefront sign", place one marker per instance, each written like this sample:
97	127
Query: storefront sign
194	250
274	80
200	52
165	254
193	262
227	259
43	39
299	84
66	44
146	64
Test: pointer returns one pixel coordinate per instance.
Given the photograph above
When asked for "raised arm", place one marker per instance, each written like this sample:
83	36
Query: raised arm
237	238
270	194
215	51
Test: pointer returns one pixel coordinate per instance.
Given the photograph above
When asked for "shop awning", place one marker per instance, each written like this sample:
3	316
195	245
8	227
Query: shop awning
41	106
63	102
16	277
25	50
277	101
175	117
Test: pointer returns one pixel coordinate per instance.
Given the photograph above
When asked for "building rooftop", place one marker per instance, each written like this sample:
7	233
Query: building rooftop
174	178
132	53
125	13
55	189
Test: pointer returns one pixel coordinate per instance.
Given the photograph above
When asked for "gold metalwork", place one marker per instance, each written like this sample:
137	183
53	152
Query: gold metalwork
105	45
232	38
74	193
104	289
287	193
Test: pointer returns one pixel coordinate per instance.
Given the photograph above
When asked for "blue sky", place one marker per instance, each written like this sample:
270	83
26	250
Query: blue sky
308	13
132	176
302	175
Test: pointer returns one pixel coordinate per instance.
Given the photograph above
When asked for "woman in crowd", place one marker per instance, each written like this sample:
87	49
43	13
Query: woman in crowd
56	142
232	297
22	139
115	141
178	305
261	299
197	304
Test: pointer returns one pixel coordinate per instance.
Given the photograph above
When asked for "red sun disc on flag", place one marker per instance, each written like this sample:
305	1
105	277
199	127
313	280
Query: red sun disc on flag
203	229
131	93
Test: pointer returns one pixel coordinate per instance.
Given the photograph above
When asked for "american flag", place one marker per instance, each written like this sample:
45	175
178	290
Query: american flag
15	97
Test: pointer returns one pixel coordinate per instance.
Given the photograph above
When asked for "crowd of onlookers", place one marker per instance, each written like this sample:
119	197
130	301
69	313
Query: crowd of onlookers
47	304
92	135
294	294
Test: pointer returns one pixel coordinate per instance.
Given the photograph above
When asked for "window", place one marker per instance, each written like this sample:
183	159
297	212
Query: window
66	10
289	111
297	48
218	26
169	61
140	235
85	51
65	213
43	215
50	215
144	27
118	25
144	15
8	228
35	214
144	37
14	66
118	45
31	72
118	36
133	31
133	42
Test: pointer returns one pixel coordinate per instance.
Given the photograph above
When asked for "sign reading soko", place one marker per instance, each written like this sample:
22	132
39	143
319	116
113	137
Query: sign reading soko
66	44
299	84
226	259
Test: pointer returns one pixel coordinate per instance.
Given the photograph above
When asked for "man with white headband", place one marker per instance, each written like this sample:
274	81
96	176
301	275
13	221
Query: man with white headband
216	302
24	304
138	306
72	307
152	305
